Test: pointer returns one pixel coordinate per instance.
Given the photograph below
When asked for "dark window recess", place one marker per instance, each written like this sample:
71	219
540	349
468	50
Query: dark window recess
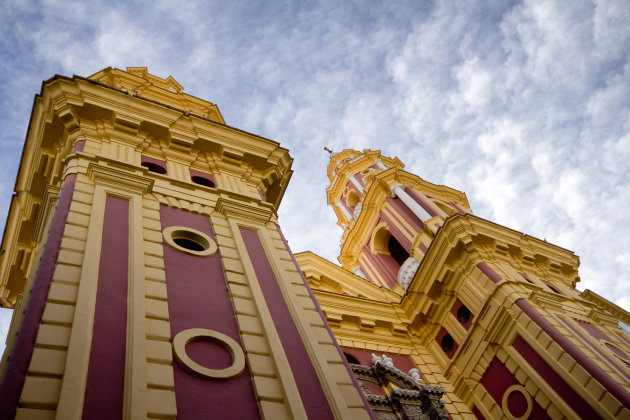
397	251
553	288
202	181
188	244
463	315
154	167
351	359
447	343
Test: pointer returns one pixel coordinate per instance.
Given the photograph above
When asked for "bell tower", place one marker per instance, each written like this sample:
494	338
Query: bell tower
389	216
148	273
484	319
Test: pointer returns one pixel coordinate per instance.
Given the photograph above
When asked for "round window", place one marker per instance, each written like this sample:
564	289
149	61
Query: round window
463	315
447	343
189	241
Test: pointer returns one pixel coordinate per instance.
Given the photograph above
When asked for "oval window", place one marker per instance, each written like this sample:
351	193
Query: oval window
189	241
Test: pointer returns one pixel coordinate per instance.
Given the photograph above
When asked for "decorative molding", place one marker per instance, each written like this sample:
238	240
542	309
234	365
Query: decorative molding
47	206
119	180
407	272
184	337
230	207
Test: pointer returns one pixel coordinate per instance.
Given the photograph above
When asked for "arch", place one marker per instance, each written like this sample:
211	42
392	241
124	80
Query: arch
352	199
396	250
202	178
202	181
380	239
351	359
154	167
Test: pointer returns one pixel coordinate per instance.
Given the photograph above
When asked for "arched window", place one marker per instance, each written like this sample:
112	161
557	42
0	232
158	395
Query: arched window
396	250
351	359
154	167
352	199
201	180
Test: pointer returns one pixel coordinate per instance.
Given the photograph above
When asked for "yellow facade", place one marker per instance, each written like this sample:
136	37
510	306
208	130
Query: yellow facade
99	131
488	316
368	314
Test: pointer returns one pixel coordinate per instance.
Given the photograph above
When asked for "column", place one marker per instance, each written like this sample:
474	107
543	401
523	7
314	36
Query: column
421	213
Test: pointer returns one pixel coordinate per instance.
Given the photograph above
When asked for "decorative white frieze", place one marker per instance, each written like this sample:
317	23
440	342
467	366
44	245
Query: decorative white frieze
407	271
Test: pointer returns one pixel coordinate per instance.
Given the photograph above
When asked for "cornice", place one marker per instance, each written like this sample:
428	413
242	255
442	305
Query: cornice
238	209
119	179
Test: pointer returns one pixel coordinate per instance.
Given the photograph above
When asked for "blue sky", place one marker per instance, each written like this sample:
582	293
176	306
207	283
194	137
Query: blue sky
525	106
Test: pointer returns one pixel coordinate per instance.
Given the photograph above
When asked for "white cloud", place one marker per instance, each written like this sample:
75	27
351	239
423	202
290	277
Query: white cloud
525	106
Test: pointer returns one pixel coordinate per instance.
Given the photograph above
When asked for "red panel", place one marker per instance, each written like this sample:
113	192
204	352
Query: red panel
78	146
574	352
20	358
313	397
485	269
421	202
497	379
198	298
402	209
592	330
385	264
477	413
396	233
595	333
321	314
554	380
104	390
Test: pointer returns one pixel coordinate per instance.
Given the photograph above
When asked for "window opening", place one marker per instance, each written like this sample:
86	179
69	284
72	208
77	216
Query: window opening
447	343
189	244
189	241
202	181
154	167
351	359
397	251
463	315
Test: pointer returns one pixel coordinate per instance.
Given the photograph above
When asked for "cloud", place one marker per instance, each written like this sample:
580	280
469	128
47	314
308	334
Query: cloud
523	105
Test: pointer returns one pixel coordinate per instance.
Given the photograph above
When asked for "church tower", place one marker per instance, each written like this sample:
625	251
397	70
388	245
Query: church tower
486	315
148	273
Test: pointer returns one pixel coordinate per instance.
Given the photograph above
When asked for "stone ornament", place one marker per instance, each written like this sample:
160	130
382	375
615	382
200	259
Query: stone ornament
184	337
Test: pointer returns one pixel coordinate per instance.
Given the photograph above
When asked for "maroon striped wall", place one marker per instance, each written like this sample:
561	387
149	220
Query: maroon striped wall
20	358
198	298
313	398
104	389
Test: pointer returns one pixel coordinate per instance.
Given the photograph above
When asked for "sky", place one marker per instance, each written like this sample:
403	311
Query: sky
524	106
